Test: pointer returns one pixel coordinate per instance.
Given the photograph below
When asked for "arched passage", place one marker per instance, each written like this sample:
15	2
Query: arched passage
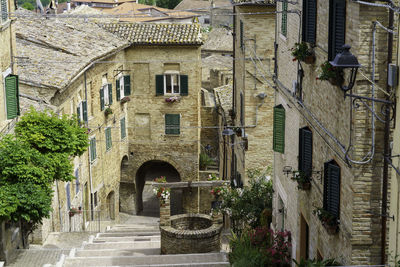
126	189
111	205
146	202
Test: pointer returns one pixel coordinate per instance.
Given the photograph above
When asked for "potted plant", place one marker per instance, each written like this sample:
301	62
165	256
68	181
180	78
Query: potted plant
74	211
329	221
125	99
303	180
204	161
162	193
172	99
108	111
302	52
329	73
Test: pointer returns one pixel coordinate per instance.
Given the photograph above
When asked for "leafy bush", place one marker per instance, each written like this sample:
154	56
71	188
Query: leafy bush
204	161
316	263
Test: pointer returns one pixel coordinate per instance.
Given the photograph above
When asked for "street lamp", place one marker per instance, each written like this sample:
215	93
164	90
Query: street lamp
347	60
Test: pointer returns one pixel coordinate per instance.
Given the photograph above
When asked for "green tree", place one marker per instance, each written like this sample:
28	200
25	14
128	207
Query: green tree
28	6
38	154
170	4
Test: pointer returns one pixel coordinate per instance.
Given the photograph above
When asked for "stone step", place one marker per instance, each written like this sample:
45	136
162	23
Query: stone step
206	259
117	252
126	238
123	245
147	228
129	233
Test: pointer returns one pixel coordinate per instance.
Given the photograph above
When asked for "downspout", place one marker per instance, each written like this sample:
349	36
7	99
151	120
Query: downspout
386	151
59	206
234	87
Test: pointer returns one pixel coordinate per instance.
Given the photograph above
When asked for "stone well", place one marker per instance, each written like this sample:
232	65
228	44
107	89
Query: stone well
190	233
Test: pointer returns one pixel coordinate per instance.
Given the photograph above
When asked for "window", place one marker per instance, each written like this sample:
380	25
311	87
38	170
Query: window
172	123
77	184
81	111
108	138
12	99
123	128
305	151
332	188
123	86
337	27
4	10
279	129
241	35
172	83
105	96
284	18
309	20
92	149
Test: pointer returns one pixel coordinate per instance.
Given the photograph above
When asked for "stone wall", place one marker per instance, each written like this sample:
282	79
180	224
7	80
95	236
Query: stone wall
324	110
209	136
10	241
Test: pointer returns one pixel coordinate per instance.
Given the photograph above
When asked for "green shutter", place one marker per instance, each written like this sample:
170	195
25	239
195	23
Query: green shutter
110	100
123	128
241	35
279	129
309	20
284	18
117	90
159	84
102	99
184	84
12	99
332	188
305	151
84	107
127	85
93	149
172	123
78	113
108	138
337	27
4	10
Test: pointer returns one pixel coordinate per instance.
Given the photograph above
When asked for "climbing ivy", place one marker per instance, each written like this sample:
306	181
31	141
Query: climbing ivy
39	153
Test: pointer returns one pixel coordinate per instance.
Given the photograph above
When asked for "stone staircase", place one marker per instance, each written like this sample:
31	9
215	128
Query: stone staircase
134	245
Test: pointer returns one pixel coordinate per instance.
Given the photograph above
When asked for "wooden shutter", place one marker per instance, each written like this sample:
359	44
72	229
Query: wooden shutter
184	84
117	90
337	27
4	10
279	129
108	138
159	84
305	151
77	184
241	35
284	18
78	112
110	100
309	20
92	149
172	124
102	99
12	99
332	188
127	85
123	128
84	111
68	191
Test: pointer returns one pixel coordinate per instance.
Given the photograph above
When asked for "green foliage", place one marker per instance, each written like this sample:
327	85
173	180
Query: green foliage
28	6
249	207
38	154
204	161
316	263
300	51
170	4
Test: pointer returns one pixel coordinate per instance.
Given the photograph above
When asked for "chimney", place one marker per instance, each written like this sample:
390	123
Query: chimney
68	6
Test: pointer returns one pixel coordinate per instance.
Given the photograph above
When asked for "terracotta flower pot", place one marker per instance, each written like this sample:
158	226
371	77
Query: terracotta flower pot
337	81
331	229
309	59
304	186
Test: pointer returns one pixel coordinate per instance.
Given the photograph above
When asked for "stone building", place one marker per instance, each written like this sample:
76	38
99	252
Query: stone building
253	99
320	134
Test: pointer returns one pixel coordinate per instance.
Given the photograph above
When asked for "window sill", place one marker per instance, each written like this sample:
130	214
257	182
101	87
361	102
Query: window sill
282	37
5	25
172	135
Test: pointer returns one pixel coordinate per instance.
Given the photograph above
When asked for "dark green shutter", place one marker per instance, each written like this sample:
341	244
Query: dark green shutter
4	10
92	149
241	35
123	128
84	109
172	124
78	112
12	99
279	129
309	20
108	138
159	84
337	27
117	90
305	151
110	100
284	18
332	188
101	99
127	85
184	84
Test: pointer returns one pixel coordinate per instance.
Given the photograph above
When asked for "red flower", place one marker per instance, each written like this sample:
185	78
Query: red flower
294	59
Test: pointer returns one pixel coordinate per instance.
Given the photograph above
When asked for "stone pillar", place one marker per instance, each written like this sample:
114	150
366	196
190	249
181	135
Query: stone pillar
165	212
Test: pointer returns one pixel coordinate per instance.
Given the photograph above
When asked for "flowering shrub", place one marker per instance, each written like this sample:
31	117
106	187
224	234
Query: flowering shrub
162	193
300	51
212	177
216	192
326	71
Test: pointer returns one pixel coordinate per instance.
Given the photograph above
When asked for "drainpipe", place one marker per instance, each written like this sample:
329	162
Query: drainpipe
386	150
59	206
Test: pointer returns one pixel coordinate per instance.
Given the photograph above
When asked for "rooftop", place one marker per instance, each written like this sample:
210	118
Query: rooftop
56	51
156	34
223	97
255	2
140	13
203	5
219	39
103	1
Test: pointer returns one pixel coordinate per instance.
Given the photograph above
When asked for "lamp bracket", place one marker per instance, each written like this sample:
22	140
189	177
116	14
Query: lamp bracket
369	98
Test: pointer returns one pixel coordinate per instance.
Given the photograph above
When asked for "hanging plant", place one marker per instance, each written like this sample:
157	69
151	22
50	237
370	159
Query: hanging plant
108	111
172	99
125	99
303	180
329	221
329	73
302	52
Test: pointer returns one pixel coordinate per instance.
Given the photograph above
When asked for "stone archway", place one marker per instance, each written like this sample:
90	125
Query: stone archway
111	205
126	189
146	202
